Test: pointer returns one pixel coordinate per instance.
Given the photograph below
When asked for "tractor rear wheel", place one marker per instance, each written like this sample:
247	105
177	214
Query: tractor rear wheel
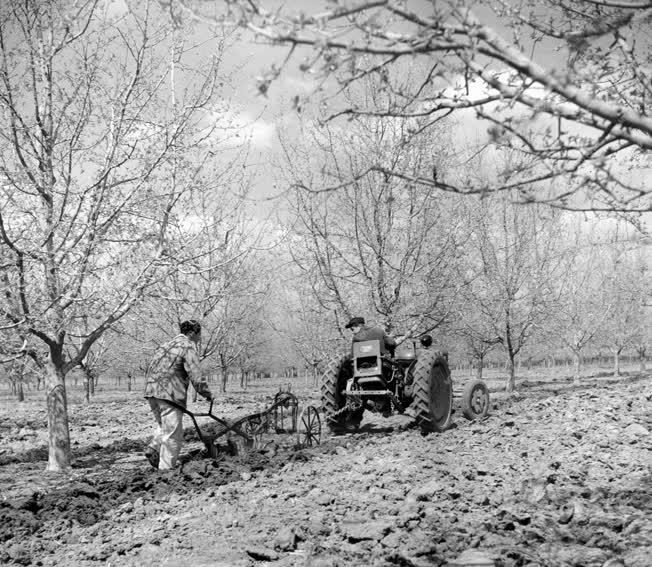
337	372
433	392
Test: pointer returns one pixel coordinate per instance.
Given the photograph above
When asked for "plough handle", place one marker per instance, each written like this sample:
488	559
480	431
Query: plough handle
234	426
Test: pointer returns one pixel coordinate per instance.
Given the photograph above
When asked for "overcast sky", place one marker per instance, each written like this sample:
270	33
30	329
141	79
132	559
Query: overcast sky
262	117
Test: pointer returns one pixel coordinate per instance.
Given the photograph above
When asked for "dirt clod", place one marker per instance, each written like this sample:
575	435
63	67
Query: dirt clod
546	479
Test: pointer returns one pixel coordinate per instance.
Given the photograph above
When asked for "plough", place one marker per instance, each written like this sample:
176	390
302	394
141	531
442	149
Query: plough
281	417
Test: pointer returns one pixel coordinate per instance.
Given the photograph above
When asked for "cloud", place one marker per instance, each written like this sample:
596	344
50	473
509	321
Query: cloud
234	128
259	132
115	9
292	85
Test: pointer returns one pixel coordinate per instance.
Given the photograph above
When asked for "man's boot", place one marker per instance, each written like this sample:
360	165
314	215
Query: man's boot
152	456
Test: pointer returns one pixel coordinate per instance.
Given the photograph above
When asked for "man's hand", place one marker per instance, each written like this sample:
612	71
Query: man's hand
208	396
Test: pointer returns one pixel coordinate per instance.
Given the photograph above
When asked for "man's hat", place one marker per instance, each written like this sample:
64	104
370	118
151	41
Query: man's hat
354	321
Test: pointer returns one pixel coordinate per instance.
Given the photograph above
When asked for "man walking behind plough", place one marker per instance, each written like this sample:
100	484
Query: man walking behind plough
173	366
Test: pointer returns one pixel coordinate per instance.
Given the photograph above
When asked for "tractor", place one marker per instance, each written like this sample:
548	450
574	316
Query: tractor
366	379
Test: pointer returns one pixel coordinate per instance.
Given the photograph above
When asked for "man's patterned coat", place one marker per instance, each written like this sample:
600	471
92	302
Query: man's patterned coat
174	365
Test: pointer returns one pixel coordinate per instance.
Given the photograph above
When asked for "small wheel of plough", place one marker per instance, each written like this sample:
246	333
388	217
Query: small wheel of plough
309	427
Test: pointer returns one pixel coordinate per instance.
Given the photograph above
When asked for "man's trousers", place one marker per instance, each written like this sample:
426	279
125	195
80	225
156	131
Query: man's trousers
168	438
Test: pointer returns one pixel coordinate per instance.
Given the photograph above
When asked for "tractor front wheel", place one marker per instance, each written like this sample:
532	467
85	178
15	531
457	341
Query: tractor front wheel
433	392
475	400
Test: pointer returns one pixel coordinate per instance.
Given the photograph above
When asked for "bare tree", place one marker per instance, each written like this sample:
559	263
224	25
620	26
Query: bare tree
233	336
87	221
377	245
479	337
627	289
511	265
309	330
17	371
225	287
580	315
94	363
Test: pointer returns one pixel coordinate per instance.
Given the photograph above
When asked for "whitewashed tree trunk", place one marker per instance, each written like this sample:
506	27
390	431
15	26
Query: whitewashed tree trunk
57	415
225	377
510	383
578	362
617	352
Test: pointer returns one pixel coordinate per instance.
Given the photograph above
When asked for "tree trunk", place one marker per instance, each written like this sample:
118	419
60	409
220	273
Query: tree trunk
57	408
87	389
510	384
88	383
641	358
578	362
21	392
478	372
224	378
617	352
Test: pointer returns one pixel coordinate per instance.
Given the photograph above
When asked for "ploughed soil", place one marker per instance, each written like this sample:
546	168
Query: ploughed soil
556	475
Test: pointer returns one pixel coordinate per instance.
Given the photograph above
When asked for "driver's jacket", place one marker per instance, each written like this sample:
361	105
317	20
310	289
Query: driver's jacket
174	365
376	334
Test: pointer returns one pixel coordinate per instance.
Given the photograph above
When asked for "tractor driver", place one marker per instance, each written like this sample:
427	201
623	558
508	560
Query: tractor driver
362	332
